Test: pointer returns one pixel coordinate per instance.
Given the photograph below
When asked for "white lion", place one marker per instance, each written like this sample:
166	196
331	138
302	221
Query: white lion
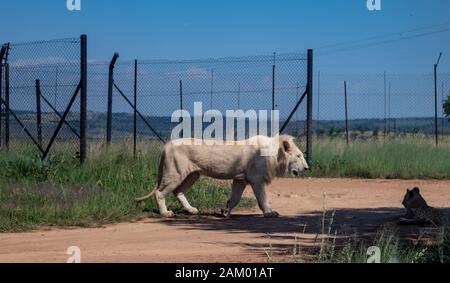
246	163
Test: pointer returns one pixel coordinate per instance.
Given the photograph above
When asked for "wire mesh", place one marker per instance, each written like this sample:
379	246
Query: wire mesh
380	105
226	84
56	64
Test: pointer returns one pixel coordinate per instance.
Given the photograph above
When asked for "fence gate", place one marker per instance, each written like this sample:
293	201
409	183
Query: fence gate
43	97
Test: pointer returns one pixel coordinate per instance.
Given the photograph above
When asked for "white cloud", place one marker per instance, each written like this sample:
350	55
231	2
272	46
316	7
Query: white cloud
193	71
41	61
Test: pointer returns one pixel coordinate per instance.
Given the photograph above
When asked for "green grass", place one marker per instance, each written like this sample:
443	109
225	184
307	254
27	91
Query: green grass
401	159
430	247
394	250
57	192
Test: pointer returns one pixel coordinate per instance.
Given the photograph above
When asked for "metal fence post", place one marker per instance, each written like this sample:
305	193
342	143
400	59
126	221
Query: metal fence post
273	95
135	111
443	112
2	54
309	107
389	109
318	101
181	104
110	99
181	99
181	95
436	101
83	98
1	104
385	107
435	106
38	113
7	120
346	113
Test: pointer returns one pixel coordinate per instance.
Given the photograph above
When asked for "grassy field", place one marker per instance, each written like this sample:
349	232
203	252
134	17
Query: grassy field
407	158
58	192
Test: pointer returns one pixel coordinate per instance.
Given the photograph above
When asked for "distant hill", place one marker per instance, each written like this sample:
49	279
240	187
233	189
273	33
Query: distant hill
123	125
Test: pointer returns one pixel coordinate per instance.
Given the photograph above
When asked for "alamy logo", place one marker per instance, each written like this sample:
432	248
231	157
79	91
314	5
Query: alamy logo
74	5
374	254
209	127
374	5
75	254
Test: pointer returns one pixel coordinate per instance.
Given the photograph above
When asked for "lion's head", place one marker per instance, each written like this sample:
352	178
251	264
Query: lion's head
291	158
413	199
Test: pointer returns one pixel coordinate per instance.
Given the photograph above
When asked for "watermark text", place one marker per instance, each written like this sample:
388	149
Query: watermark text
73	5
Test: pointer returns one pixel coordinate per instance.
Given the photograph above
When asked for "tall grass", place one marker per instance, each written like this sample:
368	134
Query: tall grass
57	191
394	250
412	158
432	248
358	250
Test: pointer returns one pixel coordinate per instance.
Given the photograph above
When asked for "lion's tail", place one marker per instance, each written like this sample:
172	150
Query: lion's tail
160	172
147	196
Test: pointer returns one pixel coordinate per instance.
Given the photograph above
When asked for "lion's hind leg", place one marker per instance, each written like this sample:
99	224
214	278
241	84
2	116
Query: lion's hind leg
161	201
162	192
181	190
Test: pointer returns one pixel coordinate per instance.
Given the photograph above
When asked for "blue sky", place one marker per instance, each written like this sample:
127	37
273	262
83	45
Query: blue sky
190	29
200	28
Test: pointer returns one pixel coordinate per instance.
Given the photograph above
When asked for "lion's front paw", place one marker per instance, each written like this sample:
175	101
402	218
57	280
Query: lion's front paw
272	214
168	214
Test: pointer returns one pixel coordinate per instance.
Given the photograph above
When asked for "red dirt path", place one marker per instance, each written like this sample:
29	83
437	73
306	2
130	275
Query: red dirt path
361	206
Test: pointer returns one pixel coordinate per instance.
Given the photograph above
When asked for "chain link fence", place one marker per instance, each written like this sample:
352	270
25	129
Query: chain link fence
133	101
380	106
39	81
41	111
162	87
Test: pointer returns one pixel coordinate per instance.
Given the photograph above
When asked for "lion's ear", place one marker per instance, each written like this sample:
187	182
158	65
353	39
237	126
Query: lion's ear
286	146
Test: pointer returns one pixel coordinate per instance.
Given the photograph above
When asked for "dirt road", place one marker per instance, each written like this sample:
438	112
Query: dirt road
361	206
